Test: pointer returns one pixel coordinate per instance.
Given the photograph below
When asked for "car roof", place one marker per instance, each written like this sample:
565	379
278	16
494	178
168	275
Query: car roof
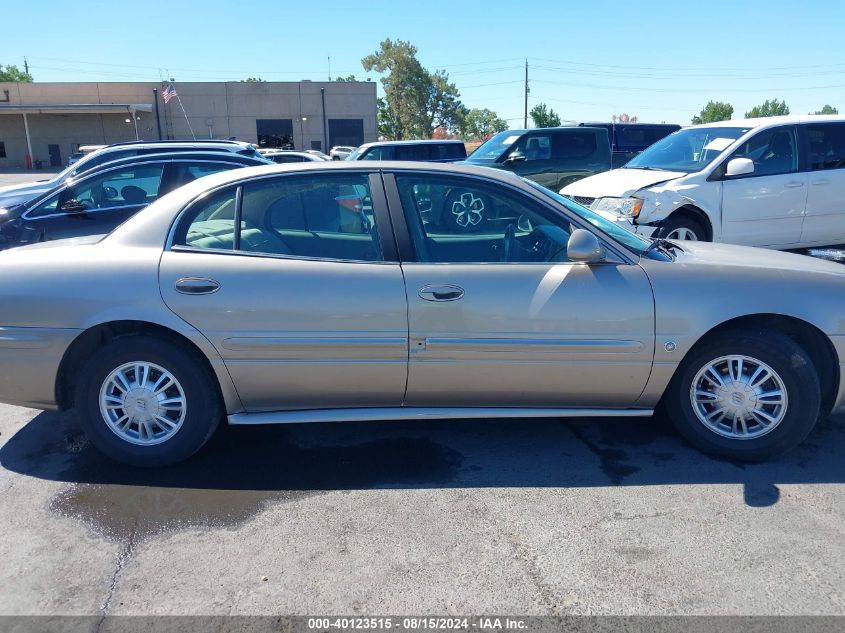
776	120
286	152
230	157
207	141
559	128
636	124
428	141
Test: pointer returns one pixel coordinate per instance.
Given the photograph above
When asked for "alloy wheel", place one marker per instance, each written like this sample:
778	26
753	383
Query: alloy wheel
738	397
142	403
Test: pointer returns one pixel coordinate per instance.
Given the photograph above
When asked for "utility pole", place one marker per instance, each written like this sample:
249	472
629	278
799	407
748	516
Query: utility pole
25	66
158	118
330	67
525	120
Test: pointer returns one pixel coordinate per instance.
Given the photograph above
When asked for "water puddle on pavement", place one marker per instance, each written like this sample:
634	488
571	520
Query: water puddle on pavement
240	473
121	512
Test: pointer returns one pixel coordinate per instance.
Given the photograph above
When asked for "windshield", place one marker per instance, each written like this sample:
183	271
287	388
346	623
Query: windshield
623	236
72	170
492	149
355	154
687	150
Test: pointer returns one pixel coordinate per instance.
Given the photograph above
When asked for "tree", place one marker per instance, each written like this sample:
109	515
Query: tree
443	107
714	111
416	102
624	118
479	124
768	108
13	73
544	117
827	109
347	78
250	80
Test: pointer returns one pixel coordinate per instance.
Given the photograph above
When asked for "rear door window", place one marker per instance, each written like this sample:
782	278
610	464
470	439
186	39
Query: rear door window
825	145
574	145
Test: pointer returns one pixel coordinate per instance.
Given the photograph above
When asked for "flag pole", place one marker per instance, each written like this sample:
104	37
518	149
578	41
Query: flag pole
179	99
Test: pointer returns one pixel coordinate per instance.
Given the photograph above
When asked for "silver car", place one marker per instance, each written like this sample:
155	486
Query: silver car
348	291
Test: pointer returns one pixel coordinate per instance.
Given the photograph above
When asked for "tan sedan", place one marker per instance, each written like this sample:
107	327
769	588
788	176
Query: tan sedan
349	291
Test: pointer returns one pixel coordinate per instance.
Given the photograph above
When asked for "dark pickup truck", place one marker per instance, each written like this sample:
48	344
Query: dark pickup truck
552	157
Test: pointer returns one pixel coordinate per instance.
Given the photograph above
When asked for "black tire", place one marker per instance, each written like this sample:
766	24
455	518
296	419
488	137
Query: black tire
203	412
675	222
780	353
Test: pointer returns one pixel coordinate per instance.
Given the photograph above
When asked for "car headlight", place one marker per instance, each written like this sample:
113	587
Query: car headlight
623	207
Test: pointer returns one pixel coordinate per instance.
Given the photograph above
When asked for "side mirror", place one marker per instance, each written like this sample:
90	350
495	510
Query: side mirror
74	206
514	158
584	248
739	167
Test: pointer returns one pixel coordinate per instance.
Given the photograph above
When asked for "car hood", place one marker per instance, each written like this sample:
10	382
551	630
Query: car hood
10	197
26	186
618	183
727	256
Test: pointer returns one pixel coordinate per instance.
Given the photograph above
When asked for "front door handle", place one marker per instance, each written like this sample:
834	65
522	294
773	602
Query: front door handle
446	292
823	181
197	286
794	183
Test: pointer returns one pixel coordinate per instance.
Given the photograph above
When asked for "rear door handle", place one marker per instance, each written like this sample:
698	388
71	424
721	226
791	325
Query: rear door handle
197	286
794	183
446	292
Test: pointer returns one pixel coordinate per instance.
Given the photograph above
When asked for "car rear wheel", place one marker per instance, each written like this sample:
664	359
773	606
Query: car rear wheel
147	402
745	395
683	228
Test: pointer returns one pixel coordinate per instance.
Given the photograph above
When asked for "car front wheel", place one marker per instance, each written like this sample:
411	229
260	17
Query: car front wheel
745	395
147	402
682	228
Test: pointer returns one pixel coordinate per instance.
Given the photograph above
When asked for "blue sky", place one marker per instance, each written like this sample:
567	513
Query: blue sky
661	61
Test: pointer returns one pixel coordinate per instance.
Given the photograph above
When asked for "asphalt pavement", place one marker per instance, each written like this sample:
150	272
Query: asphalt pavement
610	516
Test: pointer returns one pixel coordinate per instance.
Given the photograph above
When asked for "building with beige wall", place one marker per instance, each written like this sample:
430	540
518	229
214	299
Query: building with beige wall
48	121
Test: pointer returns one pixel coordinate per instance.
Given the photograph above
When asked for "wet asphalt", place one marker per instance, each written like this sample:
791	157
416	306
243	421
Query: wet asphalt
554	516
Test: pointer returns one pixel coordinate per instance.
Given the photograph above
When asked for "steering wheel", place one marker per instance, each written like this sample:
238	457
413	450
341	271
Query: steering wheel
509	243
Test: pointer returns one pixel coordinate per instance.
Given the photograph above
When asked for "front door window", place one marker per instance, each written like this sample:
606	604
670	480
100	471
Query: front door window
469	220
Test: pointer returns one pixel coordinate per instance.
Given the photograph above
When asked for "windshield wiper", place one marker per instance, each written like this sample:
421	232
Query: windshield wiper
661	243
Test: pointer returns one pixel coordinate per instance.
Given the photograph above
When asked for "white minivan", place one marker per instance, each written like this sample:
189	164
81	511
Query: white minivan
776	182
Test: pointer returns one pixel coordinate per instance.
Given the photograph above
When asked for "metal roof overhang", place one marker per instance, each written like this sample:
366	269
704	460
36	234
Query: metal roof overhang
75	108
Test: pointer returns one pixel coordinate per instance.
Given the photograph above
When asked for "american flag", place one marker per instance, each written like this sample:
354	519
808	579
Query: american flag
168	93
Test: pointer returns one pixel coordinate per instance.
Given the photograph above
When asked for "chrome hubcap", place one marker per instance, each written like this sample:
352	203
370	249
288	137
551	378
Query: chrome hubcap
142	403
738	397
682	233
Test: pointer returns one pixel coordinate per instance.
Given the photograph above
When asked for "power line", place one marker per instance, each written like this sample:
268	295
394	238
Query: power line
686	90
679	68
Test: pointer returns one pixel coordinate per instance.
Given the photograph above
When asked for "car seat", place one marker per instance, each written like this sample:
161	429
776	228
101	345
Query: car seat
133	194
778	158
532	149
